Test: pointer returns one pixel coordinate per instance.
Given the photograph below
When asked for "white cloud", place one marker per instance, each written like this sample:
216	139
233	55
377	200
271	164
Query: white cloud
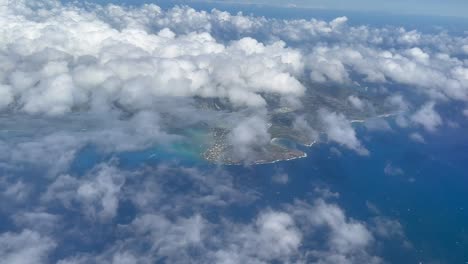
249	136
38	221
465	112
273	236
356	102
417	137
302	125
26	247
347	240
280	178
63	71
398	101
388	228
6	96
169	237
339	129
393	170
16	192
97	194
427	117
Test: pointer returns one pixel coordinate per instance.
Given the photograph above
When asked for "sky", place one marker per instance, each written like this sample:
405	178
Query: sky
455	8
432	7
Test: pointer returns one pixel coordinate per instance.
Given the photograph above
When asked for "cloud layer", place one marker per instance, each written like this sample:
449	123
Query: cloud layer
83	82
61	59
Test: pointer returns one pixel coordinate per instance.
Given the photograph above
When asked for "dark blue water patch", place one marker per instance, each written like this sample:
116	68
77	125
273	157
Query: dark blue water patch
86	159
428	198
6	223
126	212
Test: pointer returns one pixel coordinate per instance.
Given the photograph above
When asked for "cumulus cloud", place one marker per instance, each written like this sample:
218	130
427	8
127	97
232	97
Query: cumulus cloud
417	137
356	102
132	55
398	101
338	129
280	178
249	136
427	117
25	247
273	236
348	239
169	237
393	170
388	228
98	195
43	222
81	60
14	191
465	112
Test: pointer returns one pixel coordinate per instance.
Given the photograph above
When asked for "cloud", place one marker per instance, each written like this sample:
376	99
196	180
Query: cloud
388	228
207	188
465	112
356	102
392	170
398	101
38	221
347	240
326	193
427	117
168	237
249	136
25	247
273	236
14	191
338	129
280	178
61	71
207	54
97	194
417	137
